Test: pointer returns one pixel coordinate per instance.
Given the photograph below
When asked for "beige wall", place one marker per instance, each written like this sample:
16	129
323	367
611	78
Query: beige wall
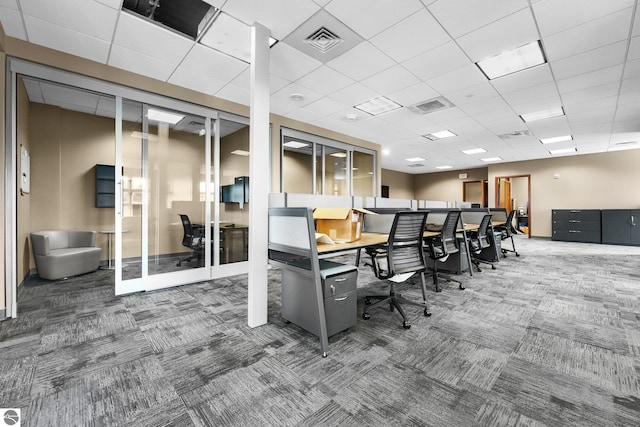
298	177
445	185
232	166
590	181
520	192
401	185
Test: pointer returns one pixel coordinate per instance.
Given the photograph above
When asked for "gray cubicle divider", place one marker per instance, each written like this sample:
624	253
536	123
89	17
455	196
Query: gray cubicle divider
306	300
437	204
383	202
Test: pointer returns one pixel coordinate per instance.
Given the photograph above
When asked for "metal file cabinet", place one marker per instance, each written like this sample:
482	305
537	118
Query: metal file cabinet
576	225
339	282
621	226
492	253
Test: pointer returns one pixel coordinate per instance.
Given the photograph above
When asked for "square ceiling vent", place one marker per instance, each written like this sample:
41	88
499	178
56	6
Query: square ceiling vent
431	105
323	37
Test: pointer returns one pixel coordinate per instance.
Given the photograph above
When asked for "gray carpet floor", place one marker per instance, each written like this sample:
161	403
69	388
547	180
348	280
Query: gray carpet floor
549	338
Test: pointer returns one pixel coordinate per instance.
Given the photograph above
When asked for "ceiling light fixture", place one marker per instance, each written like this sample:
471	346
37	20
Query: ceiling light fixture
386	152
556	139
240	153
340	154
415	159
544	114
297	97
351	117
474	151
563	151
444	167
513	60
439	135
378	106
295	144
492	159
164	116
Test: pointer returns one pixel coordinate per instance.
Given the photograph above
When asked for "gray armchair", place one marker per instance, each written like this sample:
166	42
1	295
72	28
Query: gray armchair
60	254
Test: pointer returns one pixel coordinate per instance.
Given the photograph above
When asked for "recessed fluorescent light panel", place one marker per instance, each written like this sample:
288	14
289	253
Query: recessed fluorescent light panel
474	151
378	106
556	139
544	114
415	159
340	154
512	61
439	135
240	153
492	159
444	167
295	144
164	116
564	150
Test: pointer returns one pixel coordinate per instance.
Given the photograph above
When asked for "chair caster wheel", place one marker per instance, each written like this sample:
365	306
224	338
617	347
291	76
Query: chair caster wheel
517	254
493	267
461	287
427	313
324	355
406	325
366	316
438	289
367	301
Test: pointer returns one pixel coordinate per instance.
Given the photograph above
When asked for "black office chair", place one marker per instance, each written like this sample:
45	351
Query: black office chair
444	244
479	240
403	254
193	238
507	231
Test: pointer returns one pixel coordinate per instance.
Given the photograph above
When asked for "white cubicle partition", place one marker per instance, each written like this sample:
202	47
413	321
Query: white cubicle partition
439	204
277	200
296	200
383	202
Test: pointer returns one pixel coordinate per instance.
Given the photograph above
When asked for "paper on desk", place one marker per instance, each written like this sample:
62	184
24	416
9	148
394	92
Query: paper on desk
323	238
399	278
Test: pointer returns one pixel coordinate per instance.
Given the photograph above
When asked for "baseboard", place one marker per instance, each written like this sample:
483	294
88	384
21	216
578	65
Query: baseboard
3	314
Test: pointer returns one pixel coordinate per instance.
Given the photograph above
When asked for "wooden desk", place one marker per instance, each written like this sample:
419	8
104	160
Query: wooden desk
366	239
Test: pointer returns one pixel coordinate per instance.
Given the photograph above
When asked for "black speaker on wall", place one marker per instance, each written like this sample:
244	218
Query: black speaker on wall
385	191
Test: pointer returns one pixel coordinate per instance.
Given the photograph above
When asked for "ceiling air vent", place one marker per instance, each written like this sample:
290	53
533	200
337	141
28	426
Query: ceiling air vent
431	106
515	134
416	165
323	40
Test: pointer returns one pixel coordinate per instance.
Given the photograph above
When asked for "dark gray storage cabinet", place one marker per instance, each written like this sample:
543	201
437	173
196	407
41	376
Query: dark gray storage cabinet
339	282
456	263
105	186
621	226
576	225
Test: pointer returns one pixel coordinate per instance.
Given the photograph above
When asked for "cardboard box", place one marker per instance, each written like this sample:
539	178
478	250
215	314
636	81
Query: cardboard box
340	224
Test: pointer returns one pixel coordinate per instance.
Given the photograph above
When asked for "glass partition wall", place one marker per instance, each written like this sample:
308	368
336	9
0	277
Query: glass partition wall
315	165
167	161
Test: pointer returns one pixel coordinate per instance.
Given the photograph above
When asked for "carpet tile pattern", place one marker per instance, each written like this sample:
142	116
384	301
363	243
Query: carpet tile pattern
550	338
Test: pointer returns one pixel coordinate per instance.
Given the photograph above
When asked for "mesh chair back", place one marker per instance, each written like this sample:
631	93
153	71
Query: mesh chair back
508	228
483	239
449	230
188	238
405	253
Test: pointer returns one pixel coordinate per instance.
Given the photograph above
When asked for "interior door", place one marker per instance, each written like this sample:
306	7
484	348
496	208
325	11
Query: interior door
505	194
162	170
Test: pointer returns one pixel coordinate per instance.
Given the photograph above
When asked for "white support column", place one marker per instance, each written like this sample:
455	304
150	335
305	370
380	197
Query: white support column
260	170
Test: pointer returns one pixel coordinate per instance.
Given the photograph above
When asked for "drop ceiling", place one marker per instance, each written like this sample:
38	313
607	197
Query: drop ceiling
409	51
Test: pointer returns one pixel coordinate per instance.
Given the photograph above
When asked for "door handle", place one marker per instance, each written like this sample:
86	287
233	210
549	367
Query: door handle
341	279
633	221
342	298
121	198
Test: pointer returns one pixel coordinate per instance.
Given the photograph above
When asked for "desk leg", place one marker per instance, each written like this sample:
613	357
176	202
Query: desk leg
466	245
322	319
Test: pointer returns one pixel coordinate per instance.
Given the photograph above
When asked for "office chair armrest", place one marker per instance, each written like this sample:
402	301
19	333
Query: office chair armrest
374	252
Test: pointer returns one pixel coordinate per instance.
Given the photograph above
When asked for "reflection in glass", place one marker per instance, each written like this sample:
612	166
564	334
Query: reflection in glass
336	173
363	172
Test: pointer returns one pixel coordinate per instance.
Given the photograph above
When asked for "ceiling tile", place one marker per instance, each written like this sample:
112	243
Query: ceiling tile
209	62
460	17
65	40
585	37
88	17
524	96
496	103
230	36
322	2
527	78
289	63
303	115
634	49
325	80
438	61
369	18
556	16
458	79
196	81
414	94
137	63
12	23
490	40
235	94
391	80
64	95
632	69
285	93
325	106
531	106
420	26
587	80
148	39
630	85
270	13
361	62
592	60
243	80
10	4
471	94
278	106
354	94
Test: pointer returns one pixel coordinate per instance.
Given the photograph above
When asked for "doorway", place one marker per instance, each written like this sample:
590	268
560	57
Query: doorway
476	192
514	193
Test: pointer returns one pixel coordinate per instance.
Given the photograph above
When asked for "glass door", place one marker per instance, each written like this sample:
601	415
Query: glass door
163	197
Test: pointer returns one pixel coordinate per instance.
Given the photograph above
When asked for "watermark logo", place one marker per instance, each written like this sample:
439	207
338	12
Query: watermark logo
10	417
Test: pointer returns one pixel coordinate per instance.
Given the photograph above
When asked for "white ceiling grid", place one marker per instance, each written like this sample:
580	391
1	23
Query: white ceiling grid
413	51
